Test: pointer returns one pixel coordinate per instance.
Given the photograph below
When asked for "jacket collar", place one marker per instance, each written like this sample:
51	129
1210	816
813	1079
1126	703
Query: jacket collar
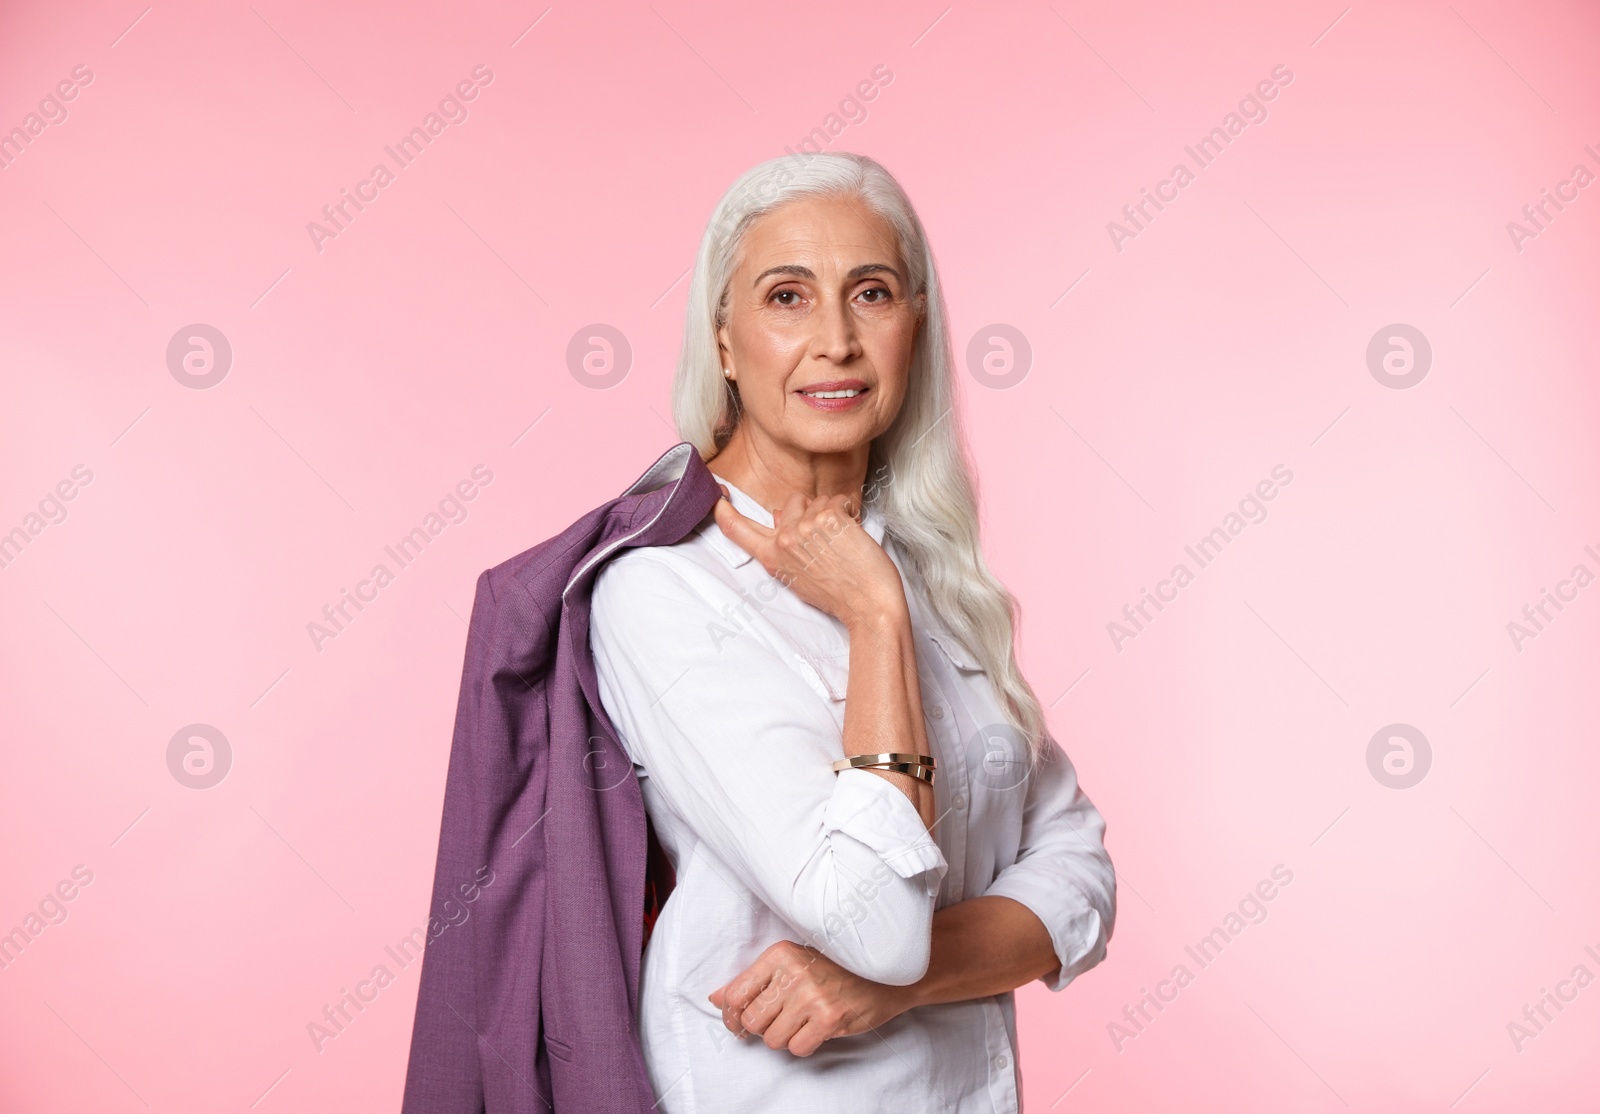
735	555
671	498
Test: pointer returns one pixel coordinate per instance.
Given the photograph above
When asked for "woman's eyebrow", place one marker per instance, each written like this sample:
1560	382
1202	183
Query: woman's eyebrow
794	269
799	271
873	268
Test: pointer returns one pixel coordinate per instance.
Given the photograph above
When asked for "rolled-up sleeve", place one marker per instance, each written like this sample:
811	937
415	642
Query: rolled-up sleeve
1062	872
741	746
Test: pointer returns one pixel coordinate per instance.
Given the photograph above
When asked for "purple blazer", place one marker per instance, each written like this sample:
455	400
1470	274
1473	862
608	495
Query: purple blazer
530	1003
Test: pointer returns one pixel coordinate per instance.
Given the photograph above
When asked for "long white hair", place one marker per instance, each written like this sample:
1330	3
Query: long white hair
918	473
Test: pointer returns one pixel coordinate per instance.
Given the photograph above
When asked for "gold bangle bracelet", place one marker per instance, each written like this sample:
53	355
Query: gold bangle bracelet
856	760
915	769
920	772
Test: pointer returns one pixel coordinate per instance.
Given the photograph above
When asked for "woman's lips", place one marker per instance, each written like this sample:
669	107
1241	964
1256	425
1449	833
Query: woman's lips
840	394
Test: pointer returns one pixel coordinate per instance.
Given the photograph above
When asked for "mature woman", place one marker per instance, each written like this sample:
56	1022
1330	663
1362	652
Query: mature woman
839	939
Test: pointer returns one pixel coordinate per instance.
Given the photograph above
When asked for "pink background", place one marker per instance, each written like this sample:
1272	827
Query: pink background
1166	380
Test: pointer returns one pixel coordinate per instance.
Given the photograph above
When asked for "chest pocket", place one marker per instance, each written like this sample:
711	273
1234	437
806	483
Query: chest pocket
828	674
997	753
957	654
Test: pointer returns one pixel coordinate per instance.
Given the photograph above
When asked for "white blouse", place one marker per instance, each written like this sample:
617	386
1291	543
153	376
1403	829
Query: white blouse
727	691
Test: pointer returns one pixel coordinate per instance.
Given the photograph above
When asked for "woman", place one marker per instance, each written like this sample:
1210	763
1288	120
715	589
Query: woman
837	940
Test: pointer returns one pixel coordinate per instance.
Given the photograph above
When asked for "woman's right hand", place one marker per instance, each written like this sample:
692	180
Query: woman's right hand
795	997
818	549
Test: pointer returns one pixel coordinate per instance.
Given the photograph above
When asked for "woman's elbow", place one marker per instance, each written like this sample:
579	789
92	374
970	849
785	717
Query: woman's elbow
903	972
1099	918
887	940
1105	899
900	961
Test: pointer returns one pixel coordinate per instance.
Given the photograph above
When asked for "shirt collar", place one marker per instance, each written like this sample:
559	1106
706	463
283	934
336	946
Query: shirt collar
735	554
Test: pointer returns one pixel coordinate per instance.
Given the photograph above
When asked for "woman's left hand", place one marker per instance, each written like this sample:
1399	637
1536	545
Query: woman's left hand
795	997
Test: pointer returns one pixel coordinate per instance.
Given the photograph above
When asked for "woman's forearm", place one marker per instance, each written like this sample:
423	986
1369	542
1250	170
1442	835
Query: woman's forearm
882	693
982	947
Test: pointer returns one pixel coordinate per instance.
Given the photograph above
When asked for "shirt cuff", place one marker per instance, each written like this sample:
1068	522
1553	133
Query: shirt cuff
1074	925
867	808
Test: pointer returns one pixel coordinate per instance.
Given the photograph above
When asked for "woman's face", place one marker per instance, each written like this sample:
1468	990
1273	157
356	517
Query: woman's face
820	327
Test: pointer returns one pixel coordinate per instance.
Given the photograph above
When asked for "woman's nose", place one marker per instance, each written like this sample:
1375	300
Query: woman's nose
836	330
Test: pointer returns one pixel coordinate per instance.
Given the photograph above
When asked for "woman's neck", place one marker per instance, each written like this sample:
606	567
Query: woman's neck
770	473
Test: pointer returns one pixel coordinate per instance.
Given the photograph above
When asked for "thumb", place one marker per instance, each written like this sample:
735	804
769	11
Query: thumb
754	538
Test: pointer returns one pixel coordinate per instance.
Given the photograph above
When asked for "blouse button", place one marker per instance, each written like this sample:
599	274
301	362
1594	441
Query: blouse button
959	802
938	711
1001	1061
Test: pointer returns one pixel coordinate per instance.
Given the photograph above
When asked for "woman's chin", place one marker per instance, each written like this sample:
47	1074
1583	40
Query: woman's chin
829	433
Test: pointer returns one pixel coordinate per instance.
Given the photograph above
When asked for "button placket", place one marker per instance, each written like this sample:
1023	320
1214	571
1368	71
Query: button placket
950	826
950	715
951	829
1002	1079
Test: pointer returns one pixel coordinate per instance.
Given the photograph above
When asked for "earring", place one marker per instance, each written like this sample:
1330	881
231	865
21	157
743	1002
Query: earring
727	374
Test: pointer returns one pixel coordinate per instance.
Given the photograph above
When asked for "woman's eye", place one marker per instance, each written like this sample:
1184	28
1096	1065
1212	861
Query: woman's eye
886	295
786	294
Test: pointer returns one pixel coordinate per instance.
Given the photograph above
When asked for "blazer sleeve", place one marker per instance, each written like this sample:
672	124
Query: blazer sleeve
481	899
